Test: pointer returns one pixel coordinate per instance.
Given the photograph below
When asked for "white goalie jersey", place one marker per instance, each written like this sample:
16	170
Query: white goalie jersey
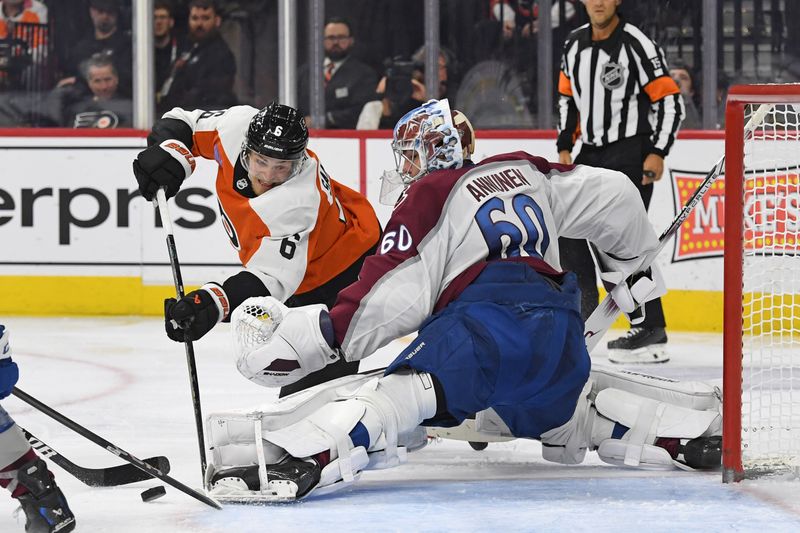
511	206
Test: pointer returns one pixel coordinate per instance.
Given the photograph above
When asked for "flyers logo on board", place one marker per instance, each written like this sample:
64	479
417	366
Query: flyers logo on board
771	214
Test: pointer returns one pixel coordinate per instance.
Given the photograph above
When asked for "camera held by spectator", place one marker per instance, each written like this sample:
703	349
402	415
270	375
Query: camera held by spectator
403	88
403	85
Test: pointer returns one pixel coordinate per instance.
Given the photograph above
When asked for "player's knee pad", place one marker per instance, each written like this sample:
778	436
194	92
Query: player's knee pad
690	394
647	420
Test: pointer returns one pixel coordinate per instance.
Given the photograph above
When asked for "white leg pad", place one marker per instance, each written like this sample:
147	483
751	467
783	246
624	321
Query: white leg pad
230	433
690	394
647	420
314	421
661	419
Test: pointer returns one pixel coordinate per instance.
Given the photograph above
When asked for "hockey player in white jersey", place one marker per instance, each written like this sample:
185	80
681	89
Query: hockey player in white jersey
469	259
23	473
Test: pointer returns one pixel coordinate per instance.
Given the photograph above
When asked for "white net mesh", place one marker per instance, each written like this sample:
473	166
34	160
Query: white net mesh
771	293
253	323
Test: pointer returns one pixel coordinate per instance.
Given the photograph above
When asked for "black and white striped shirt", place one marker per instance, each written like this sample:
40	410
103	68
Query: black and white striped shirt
616	88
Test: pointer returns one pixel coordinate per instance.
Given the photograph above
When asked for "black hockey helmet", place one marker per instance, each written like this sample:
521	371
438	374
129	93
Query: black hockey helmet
277	131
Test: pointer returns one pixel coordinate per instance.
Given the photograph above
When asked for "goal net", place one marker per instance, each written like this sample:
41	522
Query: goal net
761	433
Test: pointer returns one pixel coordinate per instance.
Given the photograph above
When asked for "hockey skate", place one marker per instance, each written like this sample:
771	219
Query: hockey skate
639	345
286	481
46	509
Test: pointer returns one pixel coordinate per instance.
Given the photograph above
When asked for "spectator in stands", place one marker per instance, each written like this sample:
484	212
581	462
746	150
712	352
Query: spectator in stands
349	83
682	74
27	11
106	38
402	89
496	92
168	46
13	59
104	108
203	76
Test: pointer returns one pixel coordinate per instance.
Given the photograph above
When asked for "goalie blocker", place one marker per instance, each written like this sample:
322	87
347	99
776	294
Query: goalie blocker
283	452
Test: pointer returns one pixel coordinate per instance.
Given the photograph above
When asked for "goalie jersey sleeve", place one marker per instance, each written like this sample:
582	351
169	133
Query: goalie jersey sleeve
451	222
294	237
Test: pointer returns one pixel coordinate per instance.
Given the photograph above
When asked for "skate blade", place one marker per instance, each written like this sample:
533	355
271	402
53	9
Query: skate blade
278	492
656	353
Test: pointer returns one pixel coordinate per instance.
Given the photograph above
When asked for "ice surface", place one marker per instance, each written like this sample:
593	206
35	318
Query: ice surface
123	379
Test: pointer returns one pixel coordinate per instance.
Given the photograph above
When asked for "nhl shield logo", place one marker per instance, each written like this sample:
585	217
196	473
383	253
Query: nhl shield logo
612	75
242	184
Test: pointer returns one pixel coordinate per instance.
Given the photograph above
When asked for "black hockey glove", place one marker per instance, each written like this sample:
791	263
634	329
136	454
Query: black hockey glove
191	317
163	165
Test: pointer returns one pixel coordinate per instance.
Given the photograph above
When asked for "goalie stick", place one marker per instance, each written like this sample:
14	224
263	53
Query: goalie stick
111	476
119	452
160	203
606	313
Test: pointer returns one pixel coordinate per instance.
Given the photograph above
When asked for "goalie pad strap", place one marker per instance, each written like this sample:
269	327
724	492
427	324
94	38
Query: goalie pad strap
615	452
642	431
262	463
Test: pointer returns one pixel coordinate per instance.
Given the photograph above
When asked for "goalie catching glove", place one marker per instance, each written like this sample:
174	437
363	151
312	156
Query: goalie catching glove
163	165
195	314
277	345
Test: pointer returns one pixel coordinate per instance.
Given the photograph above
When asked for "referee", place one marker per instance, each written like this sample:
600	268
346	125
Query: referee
616	95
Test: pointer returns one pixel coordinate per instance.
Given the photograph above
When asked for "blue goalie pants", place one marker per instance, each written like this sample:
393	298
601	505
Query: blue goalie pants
512	341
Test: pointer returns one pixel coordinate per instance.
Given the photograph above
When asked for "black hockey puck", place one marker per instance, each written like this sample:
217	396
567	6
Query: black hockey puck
154	493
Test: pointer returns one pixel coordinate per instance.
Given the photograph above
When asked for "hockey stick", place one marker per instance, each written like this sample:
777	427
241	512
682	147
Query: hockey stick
607	312
111	476
161	204
119	452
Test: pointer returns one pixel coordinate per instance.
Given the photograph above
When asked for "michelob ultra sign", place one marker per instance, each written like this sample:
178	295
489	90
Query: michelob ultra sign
771	214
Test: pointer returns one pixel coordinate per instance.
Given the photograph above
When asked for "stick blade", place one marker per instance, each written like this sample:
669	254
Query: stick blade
127	473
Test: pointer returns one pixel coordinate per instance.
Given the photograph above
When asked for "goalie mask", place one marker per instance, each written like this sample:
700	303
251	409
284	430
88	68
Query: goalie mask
430	137
274	148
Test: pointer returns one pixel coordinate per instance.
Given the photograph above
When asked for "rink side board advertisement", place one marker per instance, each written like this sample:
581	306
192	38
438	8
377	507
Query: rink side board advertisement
72	222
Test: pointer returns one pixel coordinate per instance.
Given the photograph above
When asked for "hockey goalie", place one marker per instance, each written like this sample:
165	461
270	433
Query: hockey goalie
469	259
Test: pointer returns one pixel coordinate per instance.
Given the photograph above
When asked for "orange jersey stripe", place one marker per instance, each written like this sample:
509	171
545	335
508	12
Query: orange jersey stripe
661	87
564	85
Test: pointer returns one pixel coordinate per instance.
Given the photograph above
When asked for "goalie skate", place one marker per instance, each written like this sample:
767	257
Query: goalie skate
289	480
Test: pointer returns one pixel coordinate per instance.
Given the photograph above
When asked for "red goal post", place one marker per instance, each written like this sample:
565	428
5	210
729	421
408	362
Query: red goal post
761	341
